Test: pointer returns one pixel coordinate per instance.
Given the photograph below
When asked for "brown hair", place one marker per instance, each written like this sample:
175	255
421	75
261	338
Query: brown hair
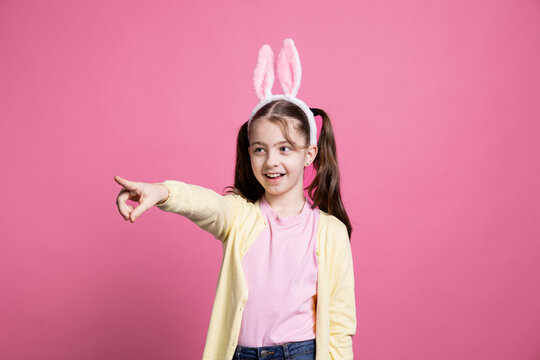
324	190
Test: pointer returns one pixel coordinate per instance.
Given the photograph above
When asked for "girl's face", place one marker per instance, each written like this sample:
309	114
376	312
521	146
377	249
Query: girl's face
271	154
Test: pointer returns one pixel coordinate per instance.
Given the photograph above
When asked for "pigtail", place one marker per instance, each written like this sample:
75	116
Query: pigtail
324	190
245	182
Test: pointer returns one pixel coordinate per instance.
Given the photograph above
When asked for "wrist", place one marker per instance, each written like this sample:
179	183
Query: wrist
165	196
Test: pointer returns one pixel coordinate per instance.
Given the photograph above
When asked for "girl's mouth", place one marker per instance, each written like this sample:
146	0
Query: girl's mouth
274	179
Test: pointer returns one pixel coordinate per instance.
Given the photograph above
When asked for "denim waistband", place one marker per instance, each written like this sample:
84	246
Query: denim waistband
281	351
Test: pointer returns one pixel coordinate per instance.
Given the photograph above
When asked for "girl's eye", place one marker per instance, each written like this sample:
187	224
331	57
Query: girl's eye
283	147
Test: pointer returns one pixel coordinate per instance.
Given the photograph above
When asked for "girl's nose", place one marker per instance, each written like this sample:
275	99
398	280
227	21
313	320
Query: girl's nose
271	159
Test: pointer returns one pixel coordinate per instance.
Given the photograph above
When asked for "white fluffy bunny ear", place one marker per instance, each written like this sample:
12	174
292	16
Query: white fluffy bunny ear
263	77
288	68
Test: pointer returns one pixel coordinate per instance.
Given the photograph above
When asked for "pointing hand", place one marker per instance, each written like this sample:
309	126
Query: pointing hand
146	194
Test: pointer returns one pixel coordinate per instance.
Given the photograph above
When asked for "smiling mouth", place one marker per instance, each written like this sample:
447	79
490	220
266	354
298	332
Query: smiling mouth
274	177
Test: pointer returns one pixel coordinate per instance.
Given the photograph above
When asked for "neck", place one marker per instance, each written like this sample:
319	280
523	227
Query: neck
289	204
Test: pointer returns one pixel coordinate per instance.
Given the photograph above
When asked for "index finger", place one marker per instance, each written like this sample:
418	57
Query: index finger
125	183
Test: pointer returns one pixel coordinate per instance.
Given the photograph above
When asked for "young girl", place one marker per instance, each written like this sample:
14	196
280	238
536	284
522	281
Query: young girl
286	284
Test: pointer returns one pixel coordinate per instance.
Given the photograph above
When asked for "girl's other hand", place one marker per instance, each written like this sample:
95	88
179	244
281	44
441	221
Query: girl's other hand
146	194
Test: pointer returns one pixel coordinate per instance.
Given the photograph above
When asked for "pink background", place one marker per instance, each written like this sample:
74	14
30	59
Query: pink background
436	110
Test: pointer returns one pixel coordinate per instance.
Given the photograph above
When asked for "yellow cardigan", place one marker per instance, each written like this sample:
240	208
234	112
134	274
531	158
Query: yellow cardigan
237	222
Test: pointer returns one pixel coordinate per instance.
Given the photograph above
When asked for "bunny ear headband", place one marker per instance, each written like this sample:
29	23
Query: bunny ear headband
289	73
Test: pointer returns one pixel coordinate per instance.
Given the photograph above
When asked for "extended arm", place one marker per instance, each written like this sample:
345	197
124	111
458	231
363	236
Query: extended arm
211	211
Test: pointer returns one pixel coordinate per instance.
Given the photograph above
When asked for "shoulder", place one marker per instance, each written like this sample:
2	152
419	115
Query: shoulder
239	199
334	243
331	221
332	226
244	206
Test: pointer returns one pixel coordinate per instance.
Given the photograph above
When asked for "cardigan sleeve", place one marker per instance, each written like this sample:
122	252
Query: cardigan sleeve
342	305
211	211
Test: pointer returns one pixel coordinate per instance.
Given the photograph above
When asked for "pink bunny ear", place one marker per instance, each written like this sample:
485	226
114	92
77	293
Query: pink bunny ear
288	68
263	77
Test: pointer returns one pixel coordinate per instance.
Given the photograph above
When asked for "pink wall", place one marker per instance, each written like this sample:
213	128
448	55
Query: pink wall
436	107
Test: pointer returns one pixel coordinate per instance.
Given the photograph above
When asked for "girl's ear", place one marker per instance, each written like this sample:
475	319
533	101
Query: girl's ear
311	153
288	68
263	77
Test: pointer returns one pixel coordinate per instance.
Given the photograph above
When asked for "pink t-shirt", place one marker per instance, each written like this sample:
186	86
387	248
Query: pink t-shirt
280	268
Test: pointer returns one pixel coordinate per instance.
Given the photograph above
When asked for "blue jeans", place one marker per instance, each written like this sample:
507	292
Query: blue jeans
299	350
